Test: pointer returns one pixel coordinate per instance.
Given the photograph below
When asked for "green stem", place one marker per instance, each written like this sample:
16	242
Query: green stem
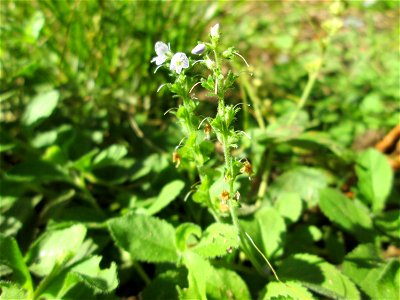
306	93
142	273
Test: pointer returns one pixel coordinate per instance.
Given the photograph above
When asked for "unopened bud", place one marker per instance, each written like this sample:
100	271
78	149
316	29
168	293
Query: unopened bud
199	49
214	32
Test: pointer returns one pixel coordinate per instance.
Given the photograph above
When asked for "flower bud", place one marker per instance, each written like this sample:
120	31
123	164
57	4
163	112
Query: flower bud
199	49
176	158
215	31
228	53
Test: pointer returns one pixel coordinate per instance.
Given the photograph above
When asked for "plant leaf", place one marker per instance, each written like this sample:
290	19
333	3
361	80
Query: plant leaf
146	238
41	107
166	196
289	206
290	289
319	276
217	240
52	245
375	177
378	279
348	214
11	256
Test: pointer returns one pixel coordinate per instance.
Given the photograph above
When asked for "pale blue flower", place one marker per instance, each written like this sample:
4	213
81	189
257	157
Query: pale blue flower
178	62
161	49
199	49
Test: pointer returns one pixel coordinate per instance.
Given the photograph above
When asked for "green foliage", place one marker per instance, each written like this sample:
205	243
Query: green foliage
375	178
145	238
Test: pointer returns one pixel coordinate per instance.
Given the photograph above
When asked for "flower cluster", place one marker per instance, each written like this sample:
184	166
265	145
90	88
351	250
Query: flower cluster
198	146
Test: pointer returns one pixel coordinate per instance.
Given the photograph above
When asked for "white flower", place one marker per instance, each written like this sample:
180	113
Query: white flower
178	62
161	49
215	31
199	49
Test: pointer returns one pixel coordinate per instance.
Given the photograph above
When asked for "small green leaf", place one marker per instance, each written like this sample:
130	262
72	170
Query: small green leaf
41	107
35	171
11	256
290	289
289	206
146	238
319	276
348	214
217	240
166	196
51	246
375	177
273	231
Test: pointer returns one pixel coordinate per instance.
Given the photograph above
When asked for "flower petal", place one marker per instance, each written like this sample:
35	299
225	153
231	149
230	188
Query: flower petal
161	48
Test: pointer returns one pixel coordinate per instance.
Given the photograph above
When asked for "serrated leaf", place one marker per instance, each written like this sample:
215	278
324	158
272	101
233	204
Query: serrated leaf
319	276
166	196
53	245
11	256
146	238
375	177
41	107
88	271
287	290
348	214
217	240
378	279
289	206
273	231
11	291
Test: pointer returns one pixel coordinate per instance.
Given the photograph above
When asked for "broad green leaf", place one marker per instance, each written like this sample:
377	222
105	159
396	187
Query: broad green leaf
166	196
305	181
217	240
40	107
273	231
290	289
184	232
389	223
199	270
226	284
319	276
11	256
378	279
164	285
348	214
289	206
89	272
375	177
146	238
52	246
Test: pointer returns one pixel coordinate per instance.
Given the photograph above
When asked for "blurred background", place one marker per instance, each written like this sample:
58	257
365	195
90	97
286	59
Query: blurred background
83	131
